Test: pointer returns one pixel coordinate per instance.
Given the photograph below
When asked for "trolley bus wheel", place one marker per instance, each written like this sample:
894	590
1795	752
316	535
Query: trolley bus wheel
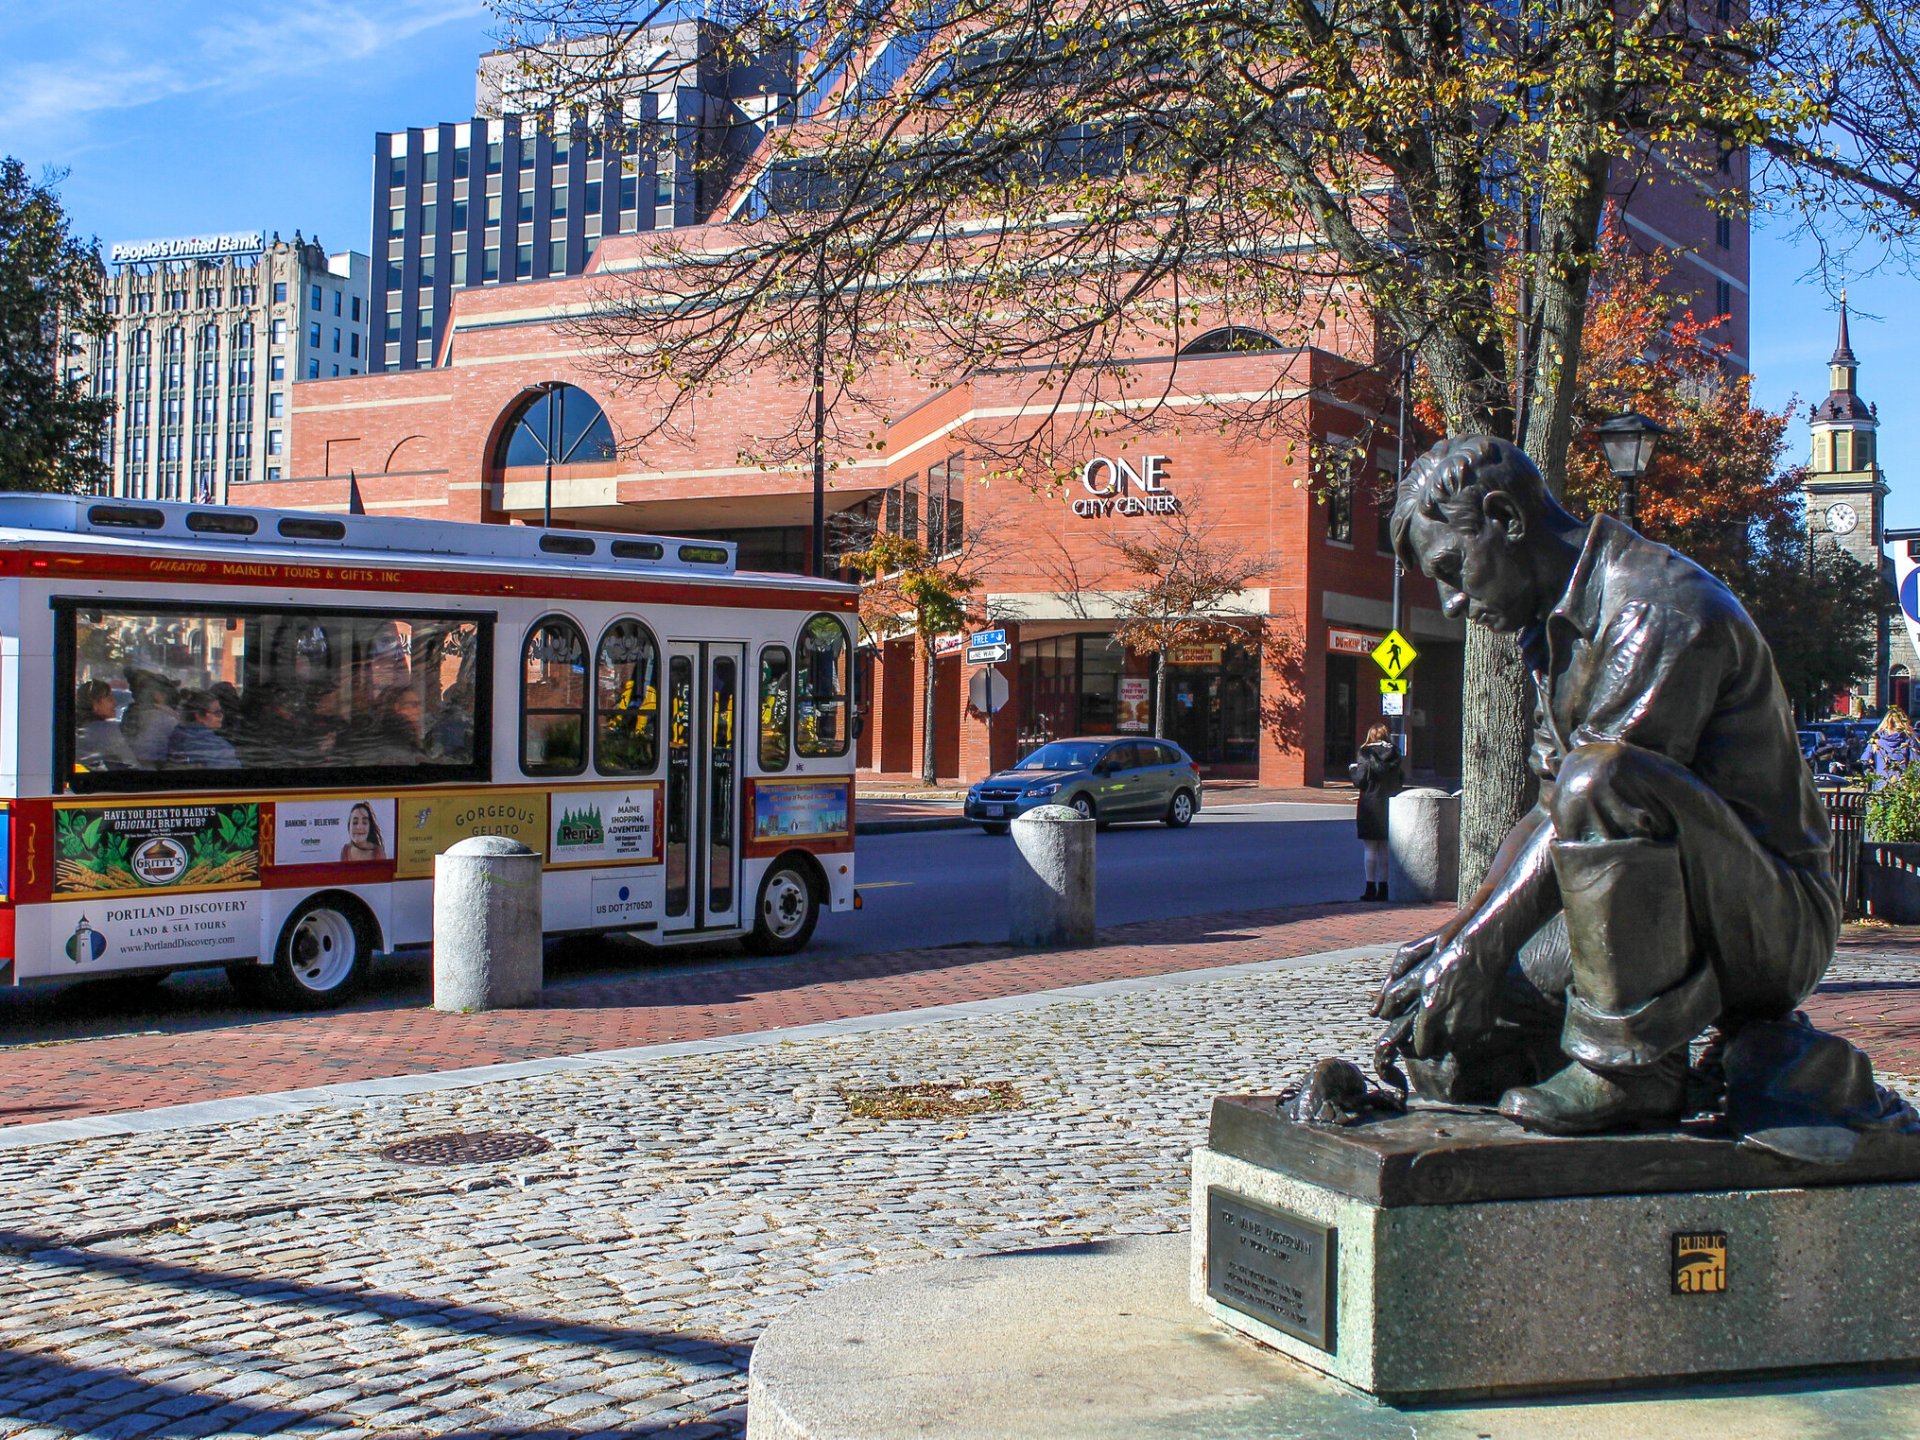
323	954
786	912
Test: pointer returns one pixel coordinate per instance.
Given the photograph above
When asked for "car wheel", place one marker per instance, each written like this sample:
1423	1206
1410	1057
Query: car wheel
324	951
1180	810
1082	805
993	829
785	912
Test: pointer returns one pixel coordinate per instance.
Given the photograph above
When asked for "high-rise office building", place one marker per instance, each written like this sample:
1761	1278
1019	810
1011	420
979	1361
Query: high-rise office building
521	196
208	335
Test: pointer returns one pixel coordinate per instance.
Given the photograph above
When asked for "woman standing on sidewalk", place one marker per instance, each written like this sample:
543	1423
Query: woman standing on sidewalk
1891	750
1375	772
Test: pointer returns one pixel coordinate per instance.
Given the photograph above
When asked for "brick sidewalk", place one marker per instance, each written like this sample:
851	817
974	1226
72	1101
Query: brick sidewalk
70	1079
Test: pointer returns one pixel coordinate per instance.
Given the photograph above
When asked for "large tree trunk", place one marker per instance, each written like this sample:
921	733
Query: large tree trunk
1496	717
929	711
1160	696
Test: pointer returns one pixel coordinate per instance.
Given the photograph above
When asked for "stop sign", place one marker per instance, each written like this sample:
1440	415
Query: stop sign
987	690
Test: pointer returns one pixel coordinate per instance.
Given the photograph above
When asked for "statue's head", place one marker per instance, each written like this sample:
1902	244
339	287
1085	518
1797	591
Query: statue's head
1471	515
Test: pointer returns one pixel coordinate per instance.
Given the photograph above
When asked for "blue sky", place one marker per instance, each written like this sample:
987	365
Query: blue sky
177	118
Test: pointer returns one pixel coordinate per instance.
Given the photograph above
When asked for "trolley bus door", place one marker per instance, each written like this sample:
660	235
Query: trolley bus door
703	786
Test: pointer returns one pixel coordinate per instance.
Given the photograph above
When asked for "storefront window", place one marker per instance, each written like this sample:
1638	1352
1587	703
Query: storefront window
822	715
627	701
776	693
553	699
1088	685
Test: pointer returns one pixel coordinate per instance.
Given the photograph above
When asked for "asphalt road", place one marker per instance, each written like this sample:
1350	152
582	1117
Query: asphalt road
922	889
942	887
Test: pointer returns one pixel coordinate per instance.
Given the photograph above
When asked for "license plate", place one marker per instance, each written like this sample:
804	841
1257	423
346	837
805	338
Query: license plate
996	809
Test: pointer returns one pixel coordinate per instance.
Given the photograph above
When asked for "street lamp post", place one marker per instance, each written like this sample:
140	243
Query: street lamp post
1628	441
552	387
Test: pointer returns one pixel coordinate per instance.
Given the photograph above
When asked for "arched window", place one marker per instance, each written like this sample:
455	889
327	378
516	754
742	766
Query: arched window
553	699
561	423
821	670
1231	340
626	705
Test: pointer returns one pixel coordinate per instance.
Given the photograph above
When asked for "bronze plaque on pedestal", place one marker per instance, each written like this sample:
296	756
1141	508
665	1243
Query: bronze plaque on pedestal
1276	1267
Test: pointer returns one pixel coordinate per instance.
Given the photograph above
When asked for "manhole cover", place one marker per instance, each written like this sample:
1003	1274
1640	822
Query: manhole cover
465	1147
933	1101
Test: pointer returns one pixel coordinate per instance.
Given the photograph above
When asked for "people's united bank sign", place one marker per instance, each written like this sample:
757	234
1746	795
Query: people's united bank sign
189	247
1116	486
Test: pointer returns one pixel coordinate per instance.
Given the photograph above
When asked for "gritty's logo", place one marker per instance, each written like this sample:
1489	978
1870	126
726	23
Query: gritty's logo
1699	1263
86	944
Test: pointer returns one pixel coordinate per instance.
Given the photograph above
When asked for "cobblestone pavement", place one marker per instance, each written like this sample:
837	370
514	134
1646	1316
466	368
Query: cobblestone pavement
278	1276
186	1062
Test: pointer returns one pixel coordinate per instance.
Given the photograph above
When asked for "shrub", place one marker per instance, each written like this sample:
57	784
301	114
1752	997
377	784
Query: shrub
1893	811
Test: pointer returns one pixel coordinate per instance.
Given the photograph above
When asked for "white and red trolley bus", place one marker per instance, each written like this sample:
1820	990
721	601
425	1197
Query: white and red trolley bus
240	737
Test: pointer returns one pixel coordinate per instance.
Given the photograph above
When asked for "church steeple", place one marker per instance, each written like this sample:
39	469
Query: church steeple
1843	423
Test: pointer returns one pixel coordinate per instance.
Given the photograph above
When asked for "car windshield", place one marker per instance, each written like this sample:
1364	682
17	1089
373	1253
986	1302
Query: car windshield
1064	755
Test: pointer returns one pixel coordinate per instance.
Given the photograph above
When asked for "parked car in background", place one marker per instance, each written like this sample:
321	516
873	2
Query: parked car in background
1105	778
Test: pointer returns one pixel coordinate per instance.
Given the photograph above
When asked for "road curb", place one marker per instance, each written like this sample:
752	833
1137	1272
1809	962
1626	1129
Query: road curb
907	824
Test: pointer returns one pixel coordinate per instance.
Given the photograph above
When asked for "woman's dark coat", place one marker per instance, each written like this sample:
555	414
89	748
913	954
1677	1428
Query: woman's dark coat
1376	771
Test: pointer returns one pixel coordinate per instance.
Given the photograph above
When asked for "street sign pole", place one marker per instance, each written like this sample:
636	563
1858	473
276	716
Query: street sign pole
1397	720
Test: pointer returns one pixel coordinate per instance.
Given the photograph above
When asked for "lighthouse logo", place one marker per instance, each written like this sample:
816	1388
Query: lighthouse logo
86	943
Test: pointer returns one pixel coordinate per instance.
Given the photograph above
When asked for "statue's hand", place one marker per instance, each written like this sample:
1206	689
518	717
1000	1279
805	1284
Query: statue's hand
1436	994
1406	959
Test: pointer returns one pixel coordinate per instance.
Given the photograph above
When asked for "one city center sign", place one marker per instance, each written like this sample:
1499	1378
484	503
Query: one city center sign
1115	486
189	247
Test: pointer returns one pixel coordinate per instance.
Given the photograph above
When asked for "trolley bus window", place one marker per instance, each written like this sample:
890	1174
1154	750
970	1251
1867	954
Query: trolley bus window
174	697
627	701
822	727
553	699
679	783
776	701
725	687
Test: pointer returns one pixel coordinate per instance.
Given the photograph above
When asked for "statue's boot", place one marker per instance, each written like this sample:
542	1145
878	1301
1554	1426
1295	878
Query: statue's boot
1584	1099
1638	992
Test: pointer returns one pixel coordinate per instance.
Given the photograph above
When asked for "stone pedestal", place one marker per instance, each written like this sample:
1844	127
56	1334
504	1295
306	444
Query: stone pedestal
1449	1254
1423	845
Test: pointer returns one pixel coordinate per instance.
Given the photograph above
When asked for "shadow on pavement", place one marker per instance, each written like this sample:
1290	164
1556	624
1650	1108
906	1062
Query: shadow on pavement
88	1399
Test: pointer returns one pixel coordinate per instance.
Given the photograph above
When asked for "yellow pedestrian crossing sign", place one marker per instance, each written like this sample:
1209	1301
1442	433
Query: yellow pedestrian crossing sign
1394	687
1395	655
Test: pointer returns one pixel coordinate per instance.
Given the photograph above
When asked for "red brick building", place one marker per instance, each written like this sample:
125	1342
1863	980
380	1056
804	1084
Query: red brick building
471	440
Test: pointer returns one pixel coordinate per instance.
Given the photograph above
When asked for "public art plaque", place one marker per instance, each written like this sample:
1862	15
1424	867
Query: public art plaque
1274	1266
1598	1088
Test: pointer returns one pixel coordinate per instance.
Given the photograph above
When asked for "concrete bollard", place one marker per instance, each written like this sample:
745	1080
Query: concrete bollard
486	926
1050	879
1423	845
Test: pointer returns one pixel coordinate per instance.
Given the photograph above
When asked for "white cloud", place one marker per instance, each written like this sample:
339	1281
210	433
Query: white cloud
148	57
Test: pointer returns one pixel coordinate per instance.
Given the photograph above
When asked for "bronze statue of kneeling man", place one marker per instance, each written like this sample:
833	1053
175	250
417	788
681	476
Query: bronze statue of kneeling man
1674	875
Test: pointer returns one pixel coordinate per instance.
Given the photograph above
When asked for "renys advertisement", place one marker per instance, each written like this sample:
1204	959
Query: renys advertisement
110	851
600	827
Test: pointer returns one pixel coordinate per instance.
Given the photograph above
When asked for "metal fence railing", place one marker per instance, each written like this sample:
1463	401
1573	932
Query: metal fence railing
1847	815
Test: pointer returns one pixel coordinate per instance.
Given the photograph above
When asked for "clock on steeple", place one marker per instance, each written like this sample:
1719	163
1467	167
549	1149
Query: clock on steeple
1846	492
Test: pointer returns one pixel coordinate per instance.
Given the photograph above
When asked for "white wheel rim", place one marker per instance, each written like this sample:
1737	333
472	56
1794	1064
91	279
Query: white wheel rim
785	904
1182	808
1082	806
322	949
